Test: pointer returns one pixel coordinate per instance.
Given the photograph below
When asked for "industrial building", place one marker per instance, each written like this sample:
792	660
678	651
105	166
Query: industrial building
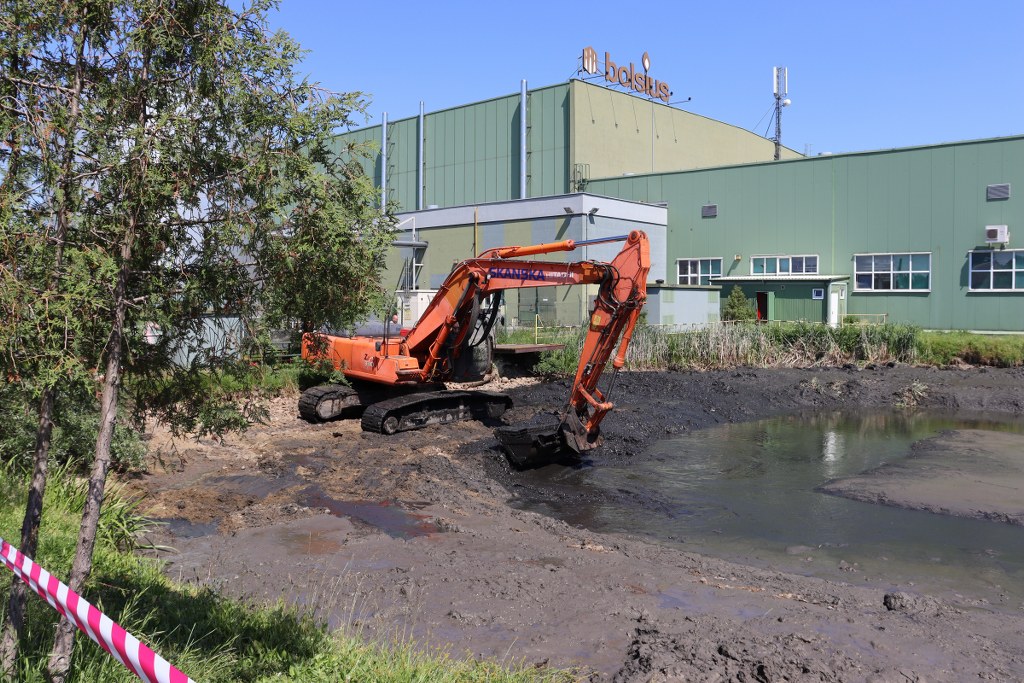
921	235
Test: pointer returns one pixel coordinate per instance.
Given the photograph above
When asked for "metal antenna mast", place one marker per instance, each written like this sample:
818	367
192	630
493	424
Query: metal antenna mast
780	86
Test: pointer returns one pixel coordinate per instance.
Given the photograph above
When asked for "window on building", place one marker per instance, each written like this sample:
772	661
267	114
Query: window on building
697	271
887	272
993	271
784	265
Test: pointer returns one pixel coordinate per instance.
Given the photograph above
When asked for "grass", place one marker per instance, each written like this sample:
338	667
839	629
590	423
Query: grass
948	348
746	344
209	637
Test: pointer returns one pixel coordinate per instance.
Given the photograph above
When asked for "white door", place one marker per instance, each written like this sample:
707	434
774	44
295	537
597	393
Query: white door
833	308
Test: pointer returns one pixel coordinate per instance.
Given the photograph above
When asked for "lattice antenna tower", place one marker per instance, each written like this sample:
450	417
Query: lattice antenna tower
780	86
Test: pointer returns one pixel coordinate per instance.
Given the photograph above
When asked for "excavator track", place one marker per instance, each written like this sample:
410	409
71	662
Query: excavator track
405	413
319	404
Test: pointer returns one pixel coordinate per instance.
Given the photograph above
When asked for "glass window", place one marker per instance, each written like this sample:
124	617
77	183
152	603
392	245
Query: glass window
697	271
981	260
783	265
1002	260
997	270
886	272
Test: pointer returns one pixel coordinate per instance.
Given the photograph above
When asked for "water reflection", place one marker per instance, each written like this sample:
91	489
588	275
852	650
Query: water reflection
747	491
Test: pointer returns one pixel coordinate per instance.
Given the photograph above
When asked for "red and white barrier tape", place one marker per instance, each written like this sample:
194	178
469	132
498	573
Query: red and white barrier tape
122	646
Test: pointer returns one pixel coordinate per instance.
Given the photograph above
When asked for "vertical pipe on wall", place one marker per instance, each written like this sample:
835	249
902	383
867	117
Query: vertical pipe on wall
384	163
522	140
419	160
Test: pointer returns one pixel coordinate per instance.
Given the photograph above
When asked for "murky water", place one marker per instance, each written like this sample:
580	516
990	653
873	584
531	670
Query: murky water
747	492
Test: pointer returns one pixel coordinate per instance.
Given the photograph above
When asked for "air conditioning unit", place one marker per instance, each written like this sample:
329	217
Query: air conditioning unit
997	234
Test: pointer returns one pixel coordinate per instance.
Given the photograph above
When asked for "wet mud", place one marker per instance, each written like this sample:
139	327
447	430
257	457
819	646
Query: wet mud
966	473
417	535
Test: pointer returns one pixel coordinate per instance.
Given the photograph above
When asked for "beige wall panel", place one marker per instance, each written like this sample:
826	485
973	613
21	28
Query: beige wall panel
612	132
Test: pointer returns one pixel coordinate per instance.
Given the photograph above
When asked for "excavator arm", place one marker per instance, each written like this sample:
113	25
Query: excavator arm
617	307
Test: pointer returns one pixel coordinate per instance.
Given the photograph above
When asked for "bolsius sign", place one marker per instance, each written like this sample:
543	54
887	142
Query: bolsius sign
628	77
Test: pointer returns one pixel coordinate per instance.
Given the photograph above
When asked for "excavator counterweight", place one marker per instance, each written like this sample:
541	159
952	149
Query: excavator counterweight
389	375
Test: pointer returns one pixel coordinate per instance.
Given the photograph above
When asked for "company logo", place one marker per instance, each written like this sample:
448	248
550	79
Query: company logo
590	60
517	274
628	77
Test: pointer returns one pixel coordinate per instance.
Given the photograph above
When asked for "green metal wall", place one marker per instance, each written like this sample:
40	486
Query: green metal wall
547	166
928	199
789	301
367	140
402	161
472	153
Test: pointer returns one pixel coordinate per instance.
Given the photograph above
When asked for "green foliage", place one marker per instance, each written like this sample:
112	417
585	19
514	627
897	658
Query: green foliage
209	637
562	362
737	307
74	436
194	196
948	348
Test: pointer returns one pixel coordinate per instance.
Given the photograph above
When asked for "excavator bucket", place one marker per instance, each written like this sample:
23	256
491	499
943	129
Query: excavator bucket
545	440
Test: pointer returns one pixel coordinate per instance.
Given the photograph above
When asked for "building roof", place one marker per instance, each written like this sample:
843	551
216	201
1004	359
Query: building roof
779	278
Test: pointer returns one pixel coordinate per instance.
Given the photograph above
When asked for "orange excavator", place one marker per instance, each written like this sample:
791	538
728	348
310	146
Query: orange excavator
397	380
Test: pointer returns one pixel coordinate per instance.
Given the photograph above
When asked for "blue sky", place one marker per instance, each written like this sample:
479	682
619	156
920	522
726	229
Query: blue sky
862	75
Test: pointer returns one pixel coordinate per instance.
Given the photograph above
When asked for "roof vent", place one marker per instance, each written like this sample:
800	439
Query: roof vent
1000	191
709	211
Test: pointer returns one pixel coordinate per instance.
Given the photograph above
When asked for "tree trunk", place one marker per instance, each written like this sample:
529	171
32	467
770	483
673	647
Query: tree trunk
60	656
14	623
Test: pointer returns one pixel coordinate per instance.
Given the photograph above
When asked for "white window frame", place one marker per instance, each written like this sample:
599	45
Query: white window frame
1016	270
788	258
892	290
699	275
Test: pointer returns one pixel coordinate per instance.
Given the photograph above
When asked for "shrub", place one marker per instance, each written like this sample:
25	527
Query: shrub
738	307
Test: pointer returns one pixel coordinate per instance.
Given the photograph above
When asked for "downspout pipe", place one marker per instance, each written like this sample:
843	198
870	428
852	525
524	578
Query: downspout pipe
384	163
420	138
522	139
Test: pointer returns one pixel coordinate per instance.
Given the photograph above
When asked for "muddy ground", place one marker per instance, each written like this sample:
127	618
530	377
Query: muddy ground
416	535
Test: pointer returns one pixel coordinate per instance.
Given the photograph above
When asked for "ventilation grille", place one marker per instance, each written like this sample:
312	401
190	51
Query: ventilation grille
1000	191
709	211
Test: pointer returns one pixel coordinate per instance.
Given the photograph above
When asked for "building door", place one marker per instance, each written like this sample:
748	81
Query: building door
762	306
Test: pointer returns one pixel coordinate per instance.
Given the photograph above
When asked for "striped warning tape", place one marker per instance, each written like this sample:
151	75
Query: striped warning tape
122	646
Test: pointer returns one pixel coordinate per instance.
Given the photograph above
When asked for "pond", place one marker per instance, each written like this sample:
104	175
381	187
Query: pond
747	492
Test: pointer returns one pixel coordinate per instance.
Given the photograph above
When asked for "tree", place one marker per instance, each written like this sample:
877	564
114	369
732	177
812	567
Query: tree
203	197
738	306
